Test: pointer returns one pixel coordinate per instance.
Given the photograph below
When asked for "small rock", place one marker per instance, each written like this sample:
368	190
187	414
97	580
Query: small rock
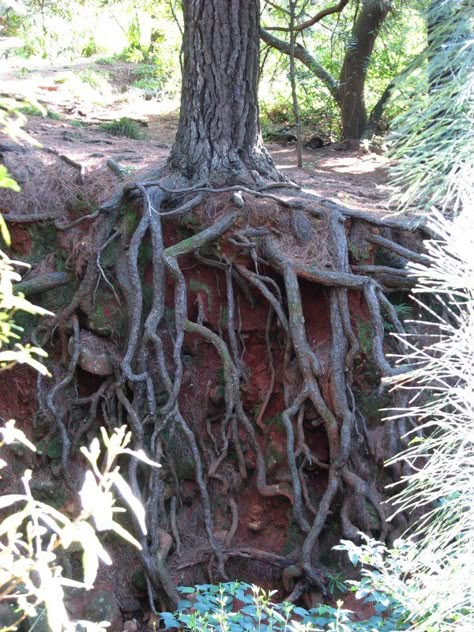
101	605
315	142
95	354
130	626
255	526
301	227
238	199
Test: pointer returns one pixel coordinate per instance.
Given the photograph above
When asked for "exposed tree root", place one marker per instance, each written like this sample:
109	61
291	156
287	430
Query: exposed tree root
147	388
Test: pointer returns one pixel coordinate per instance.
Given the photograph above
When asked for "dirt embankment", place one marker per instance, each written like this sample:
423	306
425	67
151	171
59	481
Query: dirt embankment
78	166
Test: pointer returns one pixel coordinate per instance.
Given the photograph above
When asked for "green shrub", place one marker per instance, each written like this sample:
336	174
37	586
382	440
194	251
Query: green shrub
36	110
91	48
124	127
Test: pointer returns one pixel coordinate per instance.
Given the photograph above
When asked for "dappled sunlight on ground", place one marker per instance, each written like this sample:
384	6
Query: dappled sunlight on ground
349	176
83	95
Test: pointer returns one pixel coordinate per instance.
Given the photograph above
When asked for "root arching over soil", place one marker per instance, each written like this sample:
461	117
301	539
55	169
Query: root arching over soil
182	265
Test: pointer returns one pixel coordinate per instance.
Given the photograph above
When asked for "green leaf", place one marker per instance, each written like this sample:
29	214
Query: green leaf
4	231
252	610
6	181
169	620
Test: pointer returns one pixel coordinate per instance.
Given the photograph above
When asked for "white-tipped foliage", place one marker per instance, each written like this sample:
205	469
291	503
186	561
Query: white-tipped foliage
431	573
31	577
431	140
440	582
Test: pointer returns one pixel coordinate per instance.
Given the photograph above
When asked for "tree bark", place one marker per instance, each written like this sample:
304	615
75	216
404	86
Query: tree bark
294	95
354	70
218	138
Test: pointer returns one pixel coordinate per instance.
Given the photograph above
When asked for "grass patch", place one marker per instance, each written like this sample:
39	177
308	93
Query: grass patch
148	77
147	85
125	127
98	81
107	61
35	110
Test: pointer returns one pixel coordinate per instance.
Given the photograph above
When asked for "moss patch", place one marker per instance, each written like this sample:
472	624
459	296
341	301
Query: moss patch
294	537
365	334
44	241
196	285
108	318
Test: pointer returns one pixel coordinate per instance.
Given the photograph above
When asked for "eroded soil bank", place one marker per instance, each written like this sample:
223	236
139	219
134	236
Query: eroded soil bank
254	523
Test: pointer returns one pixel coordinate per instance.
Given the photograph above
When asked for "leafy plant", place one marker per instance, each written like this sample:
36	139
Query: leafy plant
239	607
336	583
33	534
12	302
403	311
383	582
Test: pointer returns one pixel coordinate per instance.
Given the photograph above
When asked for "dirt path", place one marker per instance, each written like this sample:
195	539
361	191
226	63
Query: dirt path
349	176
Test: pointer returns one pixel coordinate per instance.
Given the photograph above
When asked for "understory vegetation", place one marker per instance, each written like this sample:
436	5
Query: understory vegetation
282	382
148	35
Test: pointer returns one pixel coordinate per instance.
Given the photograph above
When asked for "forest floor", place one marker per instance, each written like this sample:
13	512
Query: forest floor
79	98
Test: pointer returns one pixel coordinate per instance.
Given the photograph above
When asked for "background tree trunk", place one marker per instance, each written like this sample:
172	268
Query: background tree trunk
218	137
348	92
294	95
354	70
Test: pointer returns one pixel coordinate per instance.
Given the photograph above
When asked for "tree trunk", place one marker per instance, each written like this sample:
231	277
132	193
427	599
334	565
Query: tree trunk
218	137
354	70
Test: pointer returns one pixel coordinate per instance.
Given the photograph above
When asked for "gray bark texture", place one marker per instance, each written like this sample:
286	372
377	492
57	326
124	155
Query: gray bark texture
354	70
218	137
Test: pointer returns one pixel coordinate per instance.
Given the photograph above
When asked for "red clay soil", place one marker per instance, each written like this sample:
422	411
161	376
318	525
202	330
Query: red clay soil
351	177
18	395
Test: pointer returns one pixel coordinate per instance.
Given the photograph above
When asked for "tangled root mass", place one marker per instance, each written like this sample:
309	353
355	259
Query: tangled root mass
271	251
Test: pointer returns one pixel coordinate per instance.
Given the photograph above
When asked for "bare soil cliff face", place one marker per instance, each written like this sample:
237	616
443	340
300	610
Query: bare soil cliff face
250	526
